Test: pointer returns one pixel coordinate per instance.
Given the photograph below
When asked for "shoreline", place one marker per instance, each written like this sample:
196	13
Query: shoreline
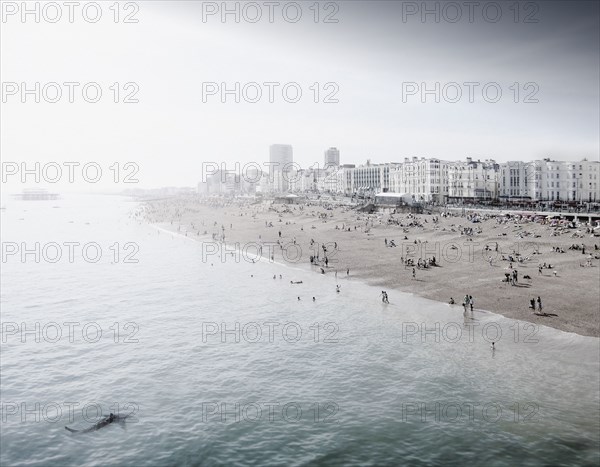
571	297
362	282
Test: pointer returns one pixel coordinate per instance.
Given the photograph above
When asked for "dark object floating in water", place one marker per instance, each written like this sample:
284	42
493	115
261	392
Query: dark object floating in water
101	424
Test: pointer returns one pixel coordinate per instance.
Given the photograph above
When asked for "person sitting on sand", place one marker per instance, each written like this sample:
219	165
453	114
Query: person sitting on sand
451	301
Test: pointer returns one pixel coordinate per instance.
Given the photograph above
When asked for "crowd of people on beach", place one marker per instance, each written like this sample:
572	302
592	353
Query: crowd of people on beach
287	223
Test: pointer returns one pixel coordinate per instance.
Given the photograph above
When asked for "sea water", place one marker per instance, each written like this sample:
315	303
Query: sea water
217	363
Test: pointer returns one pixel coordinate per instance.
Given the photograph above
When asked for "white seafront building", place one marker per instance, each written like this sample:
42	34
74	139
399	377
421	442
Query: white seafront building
549	180
473	180
368	179
425	180
433	180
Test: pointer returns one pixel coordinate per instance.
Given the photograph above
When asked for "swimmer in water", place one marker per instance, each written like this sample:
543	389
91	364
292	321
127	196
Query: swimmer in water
493	346
337	288
298	298
314	299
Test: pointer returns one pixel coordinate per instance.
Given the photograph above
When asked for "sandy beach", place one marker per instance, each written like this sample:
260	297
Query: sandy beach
474	254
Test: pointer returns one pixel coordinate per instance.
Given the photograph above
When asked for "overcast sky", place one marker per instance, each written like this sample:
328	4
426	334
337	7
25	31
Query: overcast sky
368	53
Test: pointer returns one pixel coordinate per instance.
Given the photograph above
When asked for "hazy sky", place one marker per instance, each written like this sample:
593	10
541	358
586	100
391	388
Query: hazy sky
368	53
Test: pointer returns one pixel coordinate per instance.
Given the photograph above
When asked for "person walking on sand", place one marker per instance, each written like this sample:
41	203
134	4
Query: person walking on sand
348	272
414	273
471	302
539	302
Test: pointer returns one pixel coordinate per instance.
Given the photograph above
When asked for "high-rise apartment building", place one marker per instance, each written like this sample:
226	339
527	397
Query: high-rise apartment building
332	158
281	164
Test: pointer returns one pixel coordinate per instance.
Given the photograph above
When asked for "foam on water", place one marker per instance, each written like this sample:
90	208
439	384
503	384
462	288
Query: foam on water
359	382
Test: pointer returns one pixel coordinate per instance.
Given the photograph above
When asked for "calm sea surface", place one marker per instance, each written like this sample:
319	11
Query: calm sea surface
218	363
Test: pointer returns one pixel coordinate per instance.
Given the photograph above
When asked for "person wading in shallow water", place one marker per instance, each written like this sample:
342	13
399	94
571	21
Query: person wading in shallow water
384	297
